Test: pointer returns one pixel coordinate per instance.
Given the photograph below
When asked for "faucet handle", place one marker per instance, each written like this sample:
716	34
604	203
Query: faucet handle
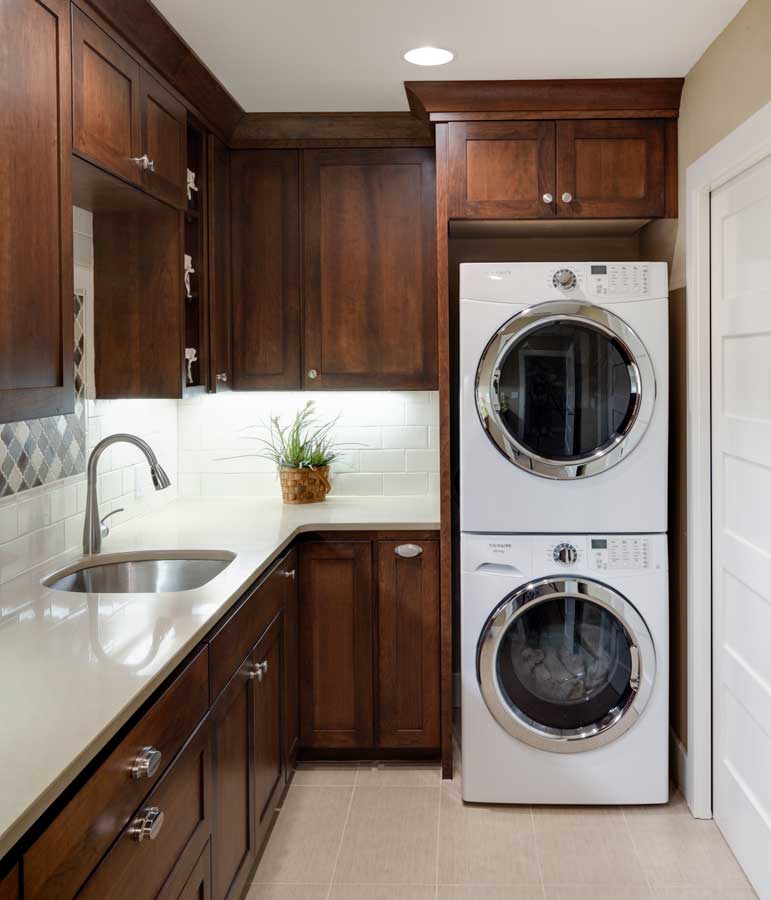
105	528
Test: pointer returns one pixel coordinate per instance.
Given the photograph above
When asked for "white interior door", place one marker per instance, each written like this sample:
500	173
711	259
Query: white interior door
741	532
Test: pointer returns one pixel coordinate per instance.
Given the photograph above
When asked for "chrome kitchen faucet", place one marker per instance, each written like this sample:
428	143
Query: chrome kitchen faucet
94	528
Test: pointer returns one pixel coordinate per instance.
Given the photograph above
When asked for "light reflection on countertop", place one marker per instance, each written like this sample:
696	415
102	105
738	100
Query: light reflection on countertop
75	667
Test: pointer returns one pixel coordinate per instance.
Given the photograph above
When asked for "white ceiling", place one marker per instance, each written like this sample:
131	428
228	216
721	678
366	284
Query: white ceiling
338	55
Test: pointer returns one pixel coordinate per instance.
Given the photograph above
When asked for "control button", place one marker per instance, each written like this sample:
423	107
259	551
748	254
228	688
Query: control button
565	279
566	554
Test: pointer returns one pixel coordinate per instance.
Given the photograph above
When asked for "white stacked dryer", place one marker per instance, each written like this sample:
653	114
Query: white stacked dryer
563	514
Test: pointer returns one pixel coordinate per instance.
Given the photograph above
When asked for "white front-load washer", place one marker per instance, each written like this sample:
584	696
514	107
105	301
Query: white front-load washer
564	373
564	668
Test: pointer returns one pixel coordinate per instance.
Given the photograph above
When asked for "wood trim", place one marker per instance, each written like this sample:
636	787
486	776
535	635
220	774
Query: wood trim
346	129
140	24
445	476
430	99
526	115
671	198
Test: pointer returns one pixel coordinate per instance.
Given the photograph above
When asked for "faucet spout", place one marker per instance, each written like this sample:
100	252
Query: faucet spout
92	527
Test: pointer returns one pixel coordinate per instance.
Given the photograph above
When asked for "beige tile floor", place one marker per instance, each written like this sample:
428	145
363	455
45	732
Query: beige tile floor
373	831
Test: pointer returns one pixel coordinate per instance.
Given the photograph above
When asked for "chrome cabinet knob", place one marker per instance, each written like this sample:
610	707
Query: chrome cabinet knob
408	551
567	198
143	162
288	574
147	824
313	373
222	376
548	198
259	671
146	764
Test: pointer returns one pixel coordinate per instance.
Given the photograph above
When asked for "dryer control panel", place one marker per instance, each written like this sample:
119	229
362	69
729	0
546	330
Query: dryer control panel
619	279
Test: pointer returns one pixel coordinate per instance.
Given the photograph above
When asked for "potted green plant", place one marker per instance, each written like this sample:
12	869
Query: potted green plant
302	452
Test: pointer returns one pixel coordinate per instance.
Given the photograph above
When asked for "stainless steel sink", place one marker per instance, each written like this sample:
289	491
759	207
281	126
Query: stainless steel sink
141	573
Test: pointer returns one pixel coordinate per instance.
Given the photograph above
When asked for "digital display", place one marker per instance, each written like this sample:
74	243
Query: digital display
599	544
599	270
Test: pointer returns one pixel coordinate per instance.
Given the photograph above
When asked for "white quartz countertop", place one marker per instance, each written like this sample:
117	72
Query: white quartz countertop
75	667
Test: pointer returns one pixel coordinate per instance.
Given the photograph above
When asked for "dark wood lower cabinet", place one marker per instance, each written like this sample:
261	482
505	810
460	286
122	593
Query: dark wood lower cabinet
336	616
198	885
267	678
234	846
9	885
291	662
408	643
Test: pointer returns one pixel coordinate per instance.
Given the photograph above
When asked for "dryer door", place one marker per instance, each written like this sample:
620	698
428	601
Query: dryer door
565	390
566	665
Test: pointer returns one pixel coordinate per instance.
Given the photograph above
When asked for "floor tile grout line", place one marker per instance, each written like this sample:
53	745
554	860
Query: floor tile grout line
637	856
537	852
342	835
438	837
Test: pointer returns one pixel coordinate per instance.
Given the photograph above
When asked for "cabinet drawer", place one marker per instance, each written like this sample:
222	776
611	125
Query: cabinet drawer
231	644
166	835
68	850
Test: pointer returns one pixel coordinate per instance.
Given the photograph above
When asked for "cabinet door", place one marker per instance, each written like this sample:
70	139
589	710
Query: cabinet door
610	168
198	885
106	104
267	699
369	269
164	141
291	663
36	290
234	845
9	885
501	170
408	644
219	263
336	645
265	236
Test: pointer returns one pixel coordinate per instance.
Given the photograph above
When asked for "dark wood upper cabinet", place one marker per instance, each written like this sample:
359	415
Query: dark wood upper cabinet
218	231
106	98
369	269
336	645
164	141
611	168
408	644
501	170
265	246
36	287
267	698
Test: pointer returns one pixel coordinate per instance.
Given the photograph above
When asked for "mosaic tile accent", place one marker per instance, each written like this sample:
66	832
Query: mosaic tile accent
40	451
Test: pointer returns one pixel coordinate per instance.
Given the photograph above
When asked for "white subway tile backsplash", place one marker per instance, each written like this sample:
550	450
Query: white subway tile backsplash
422	460
405	437
35	513
382	460
403	483
64	502
357	484
9	522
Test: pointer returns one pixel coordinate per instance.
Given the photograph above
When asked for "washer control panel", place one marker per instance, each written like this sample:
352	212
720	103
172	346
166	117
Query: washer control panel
620	553
566	554
619	279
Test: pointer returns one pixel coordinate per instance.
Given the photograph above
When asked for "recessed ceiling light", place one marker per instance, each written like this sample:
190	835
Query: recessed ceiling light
429	56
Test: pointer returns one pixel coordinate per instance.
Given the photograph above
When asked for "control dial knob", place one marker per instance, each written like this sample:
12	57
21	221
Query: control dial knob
565	279
566	554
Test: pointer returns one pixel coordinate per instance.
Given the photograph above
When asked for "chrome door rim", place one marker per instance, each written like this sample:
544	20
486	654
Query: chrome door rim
641	375
544	737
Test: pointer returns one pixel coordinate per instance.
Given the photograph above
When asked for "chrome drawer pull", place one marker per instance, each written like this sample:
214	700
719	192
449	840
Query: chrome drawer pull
146	764
408	551
288	574
259	671
147	824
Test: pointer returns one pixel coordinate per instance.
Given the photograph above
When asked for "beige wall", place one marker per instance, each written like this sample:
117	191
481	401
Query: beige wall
731	81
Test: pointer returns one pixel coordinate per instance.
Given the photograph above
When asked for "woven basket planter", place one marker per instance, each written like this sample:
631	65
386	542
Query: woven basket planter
304	485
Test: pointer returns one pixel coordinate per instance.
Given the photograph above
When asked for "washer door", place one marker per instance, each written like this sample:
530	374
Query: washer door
566	665
565	390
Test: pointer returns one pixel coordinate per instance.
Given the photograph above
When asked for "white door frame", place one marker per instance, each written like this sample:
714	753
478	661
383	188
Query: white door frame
747	145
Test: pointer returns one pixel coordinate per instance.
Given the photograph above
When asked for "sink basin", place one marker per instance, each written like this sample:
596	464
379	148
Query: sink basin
141	573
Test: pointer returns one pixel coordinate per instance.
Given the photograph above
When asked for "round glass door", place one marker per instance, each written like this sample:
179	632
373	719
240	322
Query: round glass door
565	390
566	665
